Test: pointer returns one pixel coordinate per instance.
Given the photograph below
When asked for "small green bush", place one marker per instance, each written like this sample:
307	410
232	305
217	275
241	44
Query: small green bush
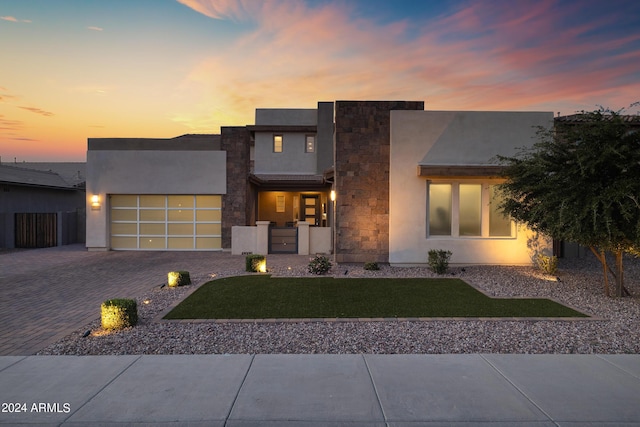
253	263
319	265
548	264
373	266
178	278
439	260
119	313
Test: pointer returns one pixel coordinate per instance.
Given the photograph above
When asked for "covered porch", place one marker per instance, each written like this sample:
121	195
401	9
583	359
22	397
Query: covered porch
292	214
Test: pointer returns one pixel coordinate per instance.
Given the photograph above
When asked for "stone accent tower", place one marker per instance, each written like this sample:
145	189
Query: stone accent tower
235	140
362	156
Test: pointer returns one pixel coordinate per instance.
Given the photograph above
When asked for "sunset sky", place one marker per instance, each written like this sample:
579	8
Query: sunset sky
74	69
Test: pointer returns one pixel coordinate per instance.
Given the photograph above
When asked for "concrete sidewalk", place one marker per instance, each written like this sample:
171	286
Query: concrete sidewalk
319	390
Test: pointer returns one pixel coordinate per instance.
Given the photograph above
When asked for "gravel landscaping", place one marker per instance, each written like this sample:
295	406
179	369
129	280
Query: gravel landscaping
613	328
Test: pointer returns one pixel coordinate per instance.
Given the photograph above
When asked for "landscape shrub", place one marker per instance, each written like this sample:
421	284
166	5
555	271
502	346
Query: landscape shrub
178	278
439	260
256	263
373	266
319	265
548	264
119	313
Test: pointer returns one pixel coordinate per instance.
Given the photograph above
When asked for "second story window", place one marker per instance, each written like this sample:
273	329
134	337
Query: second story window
277	143
310	144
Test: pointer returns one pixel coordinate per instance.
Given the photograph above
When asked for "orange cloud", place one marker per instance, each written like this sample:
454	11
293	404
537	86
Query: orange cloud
95	28
38	111
9	125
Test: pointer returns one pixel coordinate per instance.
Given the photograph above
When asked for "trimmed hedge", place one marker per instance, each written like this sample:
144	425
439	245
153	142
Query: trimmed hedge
178	278
253	261
119	313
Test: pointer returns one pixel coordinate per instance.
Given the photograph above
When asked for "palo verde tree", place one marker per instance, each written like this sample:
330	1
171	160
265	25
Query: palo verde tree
580	182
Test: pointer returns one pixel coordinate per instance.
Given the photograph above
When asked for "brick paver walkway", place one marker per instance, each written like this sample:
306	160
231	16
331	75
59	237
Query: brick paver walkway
46	294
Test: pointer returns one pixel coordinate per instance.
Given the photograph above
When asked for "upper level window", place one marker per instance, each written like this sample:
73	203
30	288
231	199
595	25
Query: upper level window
277	143
310	144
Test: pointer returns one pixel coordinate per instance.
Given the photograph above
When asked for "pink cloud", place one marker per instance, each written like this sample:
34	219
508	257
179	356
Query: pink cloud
484	56
14	19
235	10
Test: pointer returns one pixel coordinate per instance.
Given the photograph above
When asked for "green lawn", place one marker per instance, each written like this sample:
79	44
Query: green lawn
263	297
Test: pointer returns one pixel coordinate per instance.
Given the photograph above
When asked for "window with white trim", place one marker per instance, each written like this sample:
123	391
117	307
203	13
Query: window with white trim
466	210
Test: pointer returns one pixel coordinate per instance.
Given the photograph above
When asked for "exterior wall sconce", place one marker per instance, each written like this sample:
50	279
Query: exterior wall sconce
333	196
95	203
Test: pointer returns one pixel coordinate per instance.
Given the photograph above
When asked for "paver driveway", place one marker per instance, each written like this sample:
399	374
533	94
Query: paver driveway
46	294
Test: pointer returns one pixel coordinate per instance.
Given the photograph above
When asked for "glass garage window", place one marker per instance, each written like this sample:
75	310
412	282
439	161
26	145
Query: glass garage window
166	222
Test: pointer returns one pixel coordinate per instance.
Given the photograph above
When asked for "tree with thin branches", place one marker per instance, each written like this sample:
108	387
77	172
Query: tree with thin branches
580	182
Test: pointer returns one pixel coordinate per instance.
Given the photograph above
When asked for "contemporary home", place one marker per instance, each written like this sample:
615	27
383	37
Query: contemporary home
365	181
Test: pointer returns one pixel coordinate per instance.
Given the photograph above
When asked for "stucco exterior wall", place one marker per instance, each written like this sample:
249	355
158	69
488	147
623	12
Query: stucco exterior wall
286	116
292	160
453	138
147	172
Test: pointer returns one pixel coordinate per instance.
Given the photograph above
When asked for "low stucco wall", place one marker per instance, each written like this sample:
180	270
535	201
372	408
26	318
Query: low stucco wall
243	240
320	240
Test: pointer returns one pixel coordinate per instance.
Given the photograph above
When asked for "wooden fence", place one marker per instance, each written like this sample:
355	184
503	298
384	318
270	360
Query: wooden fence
36	230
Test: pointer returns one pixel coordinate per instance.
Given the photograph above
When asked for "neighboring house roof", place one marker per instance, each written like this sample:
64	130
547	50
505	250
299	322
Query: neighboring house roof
30	177
74	173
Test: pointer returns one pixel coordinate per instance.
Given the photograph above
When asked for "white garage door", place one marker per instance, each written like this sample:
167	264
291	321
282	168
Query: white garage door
166	222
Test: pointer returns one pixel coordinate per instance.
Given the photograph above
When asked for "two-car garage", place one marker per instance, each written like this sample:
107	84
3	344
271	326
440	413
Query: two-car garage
165	222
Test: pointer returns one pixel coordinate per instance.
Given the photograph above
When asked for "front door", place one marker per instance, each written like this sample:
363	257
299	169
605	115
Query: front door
311	210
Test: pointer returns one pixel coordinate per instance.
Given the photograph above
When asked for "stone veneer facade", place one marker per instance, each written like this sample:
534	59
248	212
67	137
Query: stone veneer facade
235	140
362	156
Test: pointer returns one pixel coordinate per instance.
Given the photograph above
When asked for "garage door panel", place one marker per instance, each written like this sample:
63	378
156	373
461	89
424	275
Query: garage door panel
180	215
161	222
208	242
152	229
153	201
124	215
209	202
180	229
124	200
208	229
180	201
180	242
124	228
208	215
152	215
152	243
124	242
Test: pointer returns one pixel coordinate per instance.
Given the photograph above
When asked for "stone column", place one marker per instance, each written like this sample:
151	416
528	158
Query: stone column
362	156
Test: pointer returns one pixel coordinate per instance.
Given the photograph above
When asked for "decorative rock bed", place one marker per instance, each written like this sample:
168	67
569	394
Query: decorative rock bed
615	327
